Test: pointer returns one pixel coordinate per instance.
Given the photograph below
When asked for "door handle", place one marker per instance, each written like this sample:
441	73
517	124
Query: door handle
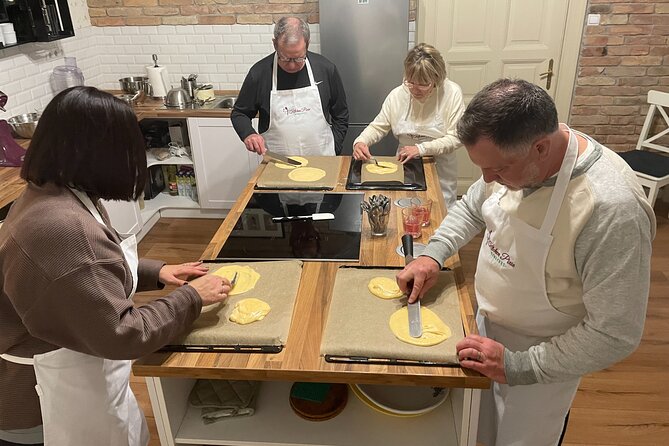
548	74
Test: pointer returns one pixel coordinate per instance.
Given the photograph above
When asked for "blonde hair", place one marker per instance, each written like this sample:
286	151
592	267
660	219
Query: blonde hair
424	65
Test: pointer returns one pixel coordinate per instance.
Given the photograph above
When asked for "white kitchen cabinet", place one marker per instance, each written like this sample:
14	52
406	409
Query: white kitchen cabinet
275	424
223	166
124	215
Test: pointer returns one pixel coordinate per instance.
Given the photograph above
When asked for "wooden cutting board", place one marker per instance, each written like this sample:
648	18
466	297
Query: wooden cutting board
277	286
357	324
369	177
273	177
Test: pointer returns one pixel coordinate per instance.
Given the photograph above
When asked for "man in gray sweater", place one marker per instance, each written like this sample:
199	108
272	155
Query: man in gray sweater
563	272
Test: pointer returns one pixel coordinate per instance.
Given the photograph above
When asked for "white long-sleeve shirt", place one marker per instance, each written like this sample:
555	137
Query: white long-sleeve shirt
445	101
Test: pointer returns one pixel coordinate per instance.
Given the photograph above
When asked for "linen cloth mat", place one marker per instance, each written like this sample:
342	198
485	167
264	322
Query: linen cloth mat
368	177
273	177
220	398
358	321
277	286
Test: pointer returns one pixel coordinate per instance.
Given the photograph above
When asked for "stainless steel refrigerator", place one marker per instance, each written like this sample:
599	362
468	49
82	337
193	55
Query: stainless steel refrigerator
367	40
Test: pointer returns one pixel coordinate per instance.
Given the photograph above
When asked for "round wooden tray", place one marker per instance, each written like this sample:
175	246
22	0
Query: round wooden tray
334	403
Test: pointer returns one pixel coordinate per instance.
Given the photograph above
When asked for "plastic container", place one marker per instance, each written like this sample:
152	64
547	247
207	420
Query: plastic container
66	76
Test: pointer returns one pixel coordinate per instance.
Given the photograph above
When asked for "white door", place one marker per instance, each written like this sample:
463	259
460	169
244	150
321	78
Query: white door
222	164
484	40
124	215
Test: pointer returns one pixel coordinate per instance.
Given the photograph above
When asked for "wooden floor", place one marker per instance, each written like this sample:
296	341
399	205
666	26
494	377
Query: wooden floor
627	404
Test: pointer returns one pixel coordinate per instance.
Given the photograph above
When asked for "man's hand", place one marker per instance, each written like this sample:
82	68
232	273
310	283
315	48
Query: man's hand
255	143
422	272
408	152
361	152
483	355
179	274
212	289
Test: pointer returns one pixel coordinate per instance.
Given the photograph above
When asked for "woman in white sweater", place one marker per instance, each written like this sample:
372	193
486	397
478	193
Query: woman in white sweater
422	114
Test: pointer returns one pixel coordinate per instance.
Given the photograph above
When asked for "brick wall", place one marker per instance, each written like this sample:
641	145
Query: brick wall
621	60
202	12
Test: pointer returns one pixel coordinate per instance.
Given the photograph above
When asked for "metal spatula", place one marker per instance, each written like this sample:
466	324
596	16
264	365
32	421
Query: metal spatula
415	322
315	217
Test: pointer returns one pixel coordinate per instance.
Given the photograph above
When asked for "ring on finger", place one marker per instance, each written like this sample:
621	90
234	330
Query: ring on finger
479	356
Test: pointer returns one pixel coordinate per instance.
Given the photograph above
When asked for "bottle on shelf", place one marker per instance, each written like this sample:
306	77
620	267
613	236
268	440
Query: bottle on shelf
172	185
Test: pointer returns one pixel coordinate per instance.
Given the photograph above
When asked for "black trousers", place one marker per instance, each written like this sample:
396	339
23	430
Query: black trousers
7	443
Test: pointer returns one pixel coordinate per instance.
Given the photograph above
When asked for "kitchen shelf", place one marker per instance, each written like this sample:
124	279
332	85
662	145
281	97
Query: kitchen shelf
165	200
274	423
178	160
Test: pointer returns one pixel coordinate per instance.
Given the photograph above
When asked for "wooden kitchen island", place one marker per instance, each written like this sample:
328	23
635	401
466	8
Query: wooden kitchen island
170	376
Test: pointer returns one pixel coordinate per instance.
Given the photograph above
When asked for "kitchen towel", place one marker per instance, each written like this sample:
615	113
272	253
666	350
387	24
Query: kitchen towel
159	80
220	398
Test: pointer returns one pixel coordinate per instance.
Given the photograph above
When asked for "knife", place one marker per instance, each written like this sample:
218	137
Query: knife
415	322
282	158
314	217
233	281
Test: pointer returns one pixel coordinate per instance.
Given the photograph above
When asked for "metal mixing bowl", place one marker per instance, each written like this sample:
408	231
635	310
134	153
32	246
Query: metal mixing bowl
24	125
132	85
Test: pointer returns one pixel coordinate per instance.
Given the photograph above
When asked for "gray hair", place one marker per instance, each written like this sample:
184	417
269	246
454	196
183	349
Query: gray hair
511	113
290	30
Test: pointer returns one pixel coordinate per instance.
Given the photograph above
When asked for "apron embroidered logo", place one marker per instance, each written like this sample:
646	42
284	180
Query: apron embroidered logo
503	259
295	110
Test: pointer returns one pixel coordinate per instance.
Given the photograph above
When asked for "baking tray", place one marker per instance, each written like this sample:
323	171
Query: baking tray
348	322
275	178
266	336
414	177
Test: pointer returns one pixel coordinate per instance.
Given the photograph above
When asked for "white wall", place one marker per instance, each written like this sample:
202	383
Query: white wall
219	54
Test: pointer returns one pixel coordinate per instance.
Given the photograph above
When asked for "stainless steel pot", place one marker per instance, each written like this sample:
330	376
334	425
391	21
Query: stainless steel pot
135	84
178	98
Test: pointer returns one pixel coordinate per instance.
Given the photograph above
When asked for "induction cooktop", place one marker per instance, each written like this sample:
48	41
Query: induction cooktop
256	236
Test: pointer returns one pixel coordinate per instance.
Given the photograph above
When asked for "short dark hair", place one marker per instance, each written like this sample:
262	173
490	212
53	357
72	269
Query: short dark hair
512	113
91	141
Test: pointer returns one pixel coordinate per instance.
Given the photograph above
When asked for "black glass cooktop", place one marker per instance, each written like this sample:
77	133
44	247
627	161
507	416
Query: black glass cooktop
256	236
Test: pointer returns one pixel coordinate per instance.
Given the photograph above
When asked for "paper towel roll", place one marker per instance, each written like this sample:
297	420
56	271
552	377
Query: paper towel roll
159	80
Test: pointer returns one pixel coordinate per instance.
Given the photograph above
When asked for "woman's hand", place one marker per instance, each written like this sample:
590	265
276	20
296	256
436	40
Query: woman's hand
180	274
408	152
212	289
483	355
361	152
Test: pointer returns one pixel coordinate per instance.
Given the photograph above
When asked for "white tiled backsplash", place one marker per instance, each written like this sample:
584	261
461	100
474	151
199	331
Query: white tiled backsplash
219	54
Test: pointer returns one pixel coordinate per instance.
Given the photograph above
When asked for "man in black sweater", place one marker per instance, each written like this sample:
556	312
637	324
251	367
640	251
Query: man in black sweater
298	96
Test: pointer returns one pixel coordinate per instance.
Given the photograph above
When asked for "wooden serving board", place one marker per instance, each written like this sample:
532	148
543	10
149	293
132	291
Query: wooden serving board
277	286
273	177
358	321
369	177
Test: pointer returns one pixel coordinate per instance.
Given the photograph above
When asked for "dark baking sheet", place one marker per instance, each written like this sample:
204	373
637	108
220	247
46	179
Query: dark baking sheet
414	178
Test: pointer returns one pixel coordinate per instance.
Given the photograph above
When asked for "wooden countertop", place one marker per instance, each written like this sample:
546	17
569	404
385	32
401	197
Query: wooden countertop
154	108
300	360
11	185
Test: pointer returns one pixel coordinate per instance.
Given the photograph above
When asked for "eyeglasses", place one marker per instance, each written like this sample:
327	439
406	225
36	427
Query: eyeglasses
297	60
418	87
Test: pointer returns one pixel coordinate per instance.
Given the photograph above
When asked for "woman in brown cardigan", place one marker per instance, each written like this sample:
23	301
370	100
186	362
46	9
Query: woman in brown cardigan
68	327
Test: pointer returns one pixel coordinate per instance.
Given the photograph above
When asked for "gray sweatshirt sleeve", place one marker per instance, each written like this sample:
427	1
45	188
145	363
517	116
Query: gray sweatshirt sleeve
462	223
612	256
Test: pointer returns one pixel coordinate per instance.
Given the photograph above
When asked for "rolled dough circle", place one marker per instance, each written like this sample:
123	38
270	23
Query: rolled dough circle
434	329
384	287
247	277
373	168
306	174
299	159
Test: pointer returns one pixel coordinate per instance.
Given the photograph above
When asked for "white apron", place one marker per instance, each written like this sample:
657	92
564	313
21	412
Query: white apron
409	134
297	125
86	400
514	310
